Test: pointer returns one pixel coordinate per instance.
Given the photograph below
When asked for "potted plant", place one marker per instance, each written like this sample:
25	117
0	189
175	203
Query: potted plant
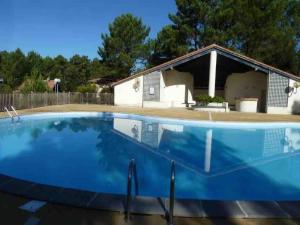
203	100
206	100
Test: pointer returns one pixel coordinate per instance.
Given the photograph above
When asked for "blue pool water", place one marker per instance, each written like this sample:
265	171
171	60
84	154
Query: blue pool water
91	151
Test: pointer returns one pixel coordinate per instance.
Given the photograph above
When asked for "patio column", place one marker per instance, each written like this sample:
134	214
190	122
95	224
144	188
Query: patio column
208	143
212	73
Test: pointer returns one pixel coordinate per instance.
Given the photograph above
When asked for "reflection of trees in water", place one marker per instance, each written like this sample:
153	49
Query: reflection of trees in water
35	133
115	152
109	148
176	144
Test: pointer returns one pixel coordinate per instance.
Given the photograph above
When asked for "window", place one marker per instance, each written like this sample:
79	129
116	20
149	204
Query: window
151	91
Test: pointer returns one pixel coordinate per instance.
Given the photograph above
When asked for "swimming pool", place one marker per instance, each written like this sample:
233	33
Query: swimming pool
214	160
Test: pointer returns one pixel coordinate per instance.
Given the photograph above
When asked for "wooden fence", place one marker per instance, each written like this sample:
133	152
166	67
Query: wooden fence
33	100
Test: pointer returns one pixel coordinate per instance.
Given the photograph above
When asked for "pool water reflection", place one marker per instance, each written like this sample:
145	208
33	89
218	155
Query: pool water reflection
92	152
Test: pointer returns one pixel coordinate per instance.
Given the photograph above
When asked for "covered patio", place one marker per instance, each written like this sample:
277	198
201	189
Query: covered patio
219	75
212	71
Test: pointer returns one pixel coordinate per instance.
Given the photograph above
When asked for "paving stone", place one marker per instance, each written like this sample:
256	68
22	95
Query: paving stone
188	208
263	209
291	208
44	192
4	179
32	221
108	201
223	209
74	197
16	186
147	205
32	206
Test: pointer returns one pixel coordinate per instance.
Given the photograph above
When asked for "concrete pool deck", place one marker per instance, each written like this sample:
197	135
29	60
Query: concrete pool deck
64	215
150	205
172	113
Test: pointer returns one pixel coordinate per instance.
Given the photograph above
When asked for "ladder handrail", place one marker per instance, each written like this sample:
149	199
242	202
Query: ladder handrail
172	194
16	114
131	173
8	112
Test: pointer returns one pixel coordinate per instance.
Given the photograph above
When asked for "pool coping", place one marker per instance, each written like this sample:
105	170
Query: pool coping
153	118
150	205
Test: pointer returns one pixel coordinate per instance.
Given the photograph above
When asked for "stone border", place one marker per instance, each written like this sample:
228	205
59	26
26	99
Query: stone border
150	205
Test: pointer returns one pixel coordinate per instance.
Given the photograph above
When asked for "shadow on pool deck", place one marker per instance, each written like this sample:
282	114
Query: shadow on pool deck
52	214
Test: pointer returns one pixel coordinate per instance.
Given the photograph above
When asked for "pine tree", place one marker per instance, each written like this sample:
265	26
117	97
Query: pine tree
125	48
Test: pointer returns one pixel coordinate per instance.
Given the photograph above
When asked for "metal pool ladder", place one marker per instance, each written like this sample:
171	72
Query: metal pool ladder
131	173
172	195
13	113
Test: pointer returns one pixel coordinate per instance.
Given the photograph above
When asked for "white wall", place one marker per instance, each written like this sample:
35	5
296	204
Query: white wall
126	95
176	88
293	103
251	84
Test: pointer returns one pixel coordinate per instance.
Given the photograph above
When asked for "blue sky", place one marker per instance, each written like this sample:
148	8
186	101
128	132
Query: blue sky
67	27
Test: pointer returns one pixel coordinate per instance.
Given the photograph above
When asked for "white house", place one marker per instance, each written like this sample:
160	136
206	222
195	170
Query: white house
215	71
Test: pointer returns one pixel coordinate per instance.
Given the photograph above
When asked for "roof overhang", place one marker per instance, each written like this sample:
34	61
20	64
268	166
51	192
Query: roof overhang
256	65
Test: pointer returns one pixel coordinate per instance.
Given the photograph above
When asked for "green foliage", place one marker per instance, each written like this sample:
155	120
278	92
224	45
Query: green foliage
125	48
34	83
168	45
218	99
98	69
267	30
5	89
15	67
77	73
107	90
205	99
34	60
87	88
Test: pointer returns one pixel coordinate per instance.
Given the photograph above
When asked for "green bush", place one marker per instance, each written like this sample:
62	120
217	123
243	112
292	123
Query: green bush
5	89
205	99
34	83
218	99
87	88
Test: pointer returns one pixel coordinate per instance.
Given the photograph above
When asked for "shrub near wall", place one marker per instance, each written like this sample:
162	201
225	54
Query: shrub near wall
206	99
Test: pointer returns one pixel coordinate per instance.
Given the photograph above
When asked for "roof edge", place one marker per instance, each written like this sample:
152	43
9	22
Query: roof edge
208	49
